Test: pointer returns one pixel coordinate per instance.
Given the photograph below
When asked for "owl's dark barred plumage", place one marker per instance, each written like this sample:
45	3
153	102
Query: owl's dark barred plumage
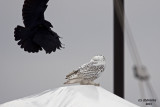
88	72
37	33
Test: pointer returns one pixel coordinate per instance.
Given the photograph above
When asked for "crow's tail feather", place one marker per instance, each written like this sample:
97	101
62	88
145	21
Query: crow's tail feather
48	40
37	38
25	39
18	32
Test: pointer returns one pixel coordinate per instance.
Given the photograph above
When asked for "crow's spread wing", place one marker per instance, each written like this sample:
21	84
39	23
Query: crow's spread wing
33	12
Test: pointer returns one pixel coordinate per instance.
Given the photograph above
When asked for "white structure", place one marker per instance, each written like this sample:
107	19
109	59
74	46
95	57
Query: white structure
72	96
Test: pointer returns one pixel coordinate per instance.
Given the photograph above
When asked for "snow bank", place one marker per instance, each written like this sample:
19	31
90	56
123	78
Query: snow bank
72	96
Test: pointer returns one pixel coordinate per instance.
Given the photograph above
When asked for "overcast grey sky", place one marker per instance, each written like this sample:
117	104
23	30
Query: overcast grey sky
87	30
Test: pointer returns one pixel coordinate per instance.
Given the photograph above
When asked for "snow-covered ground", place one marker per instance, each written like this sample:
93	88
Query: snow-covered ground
72	96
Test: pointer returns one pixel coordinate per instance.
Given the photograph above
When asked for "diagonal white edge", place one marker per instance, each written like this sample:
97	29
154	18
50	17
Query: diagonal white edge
72	96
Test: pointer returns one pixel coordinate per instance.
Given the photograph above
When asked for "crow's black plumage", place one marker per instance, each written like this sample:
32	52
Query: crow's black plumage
37	33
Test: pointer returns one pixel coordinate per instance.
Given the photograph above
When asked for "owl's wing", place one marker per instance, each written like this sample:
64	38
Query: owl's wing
88	70
72	75
85	71
75	73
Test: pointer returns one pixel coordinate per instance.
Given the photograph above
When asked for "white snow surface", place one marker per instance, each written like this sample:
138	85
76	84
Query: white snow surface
72	96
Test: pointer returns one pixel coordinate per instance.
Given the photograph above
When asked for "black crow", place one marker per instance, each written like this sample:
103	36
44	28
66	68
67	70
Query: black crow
37	33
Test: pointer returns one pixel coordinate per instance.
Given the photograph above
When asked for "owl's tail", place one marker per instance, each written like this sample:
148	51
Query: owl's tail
73	81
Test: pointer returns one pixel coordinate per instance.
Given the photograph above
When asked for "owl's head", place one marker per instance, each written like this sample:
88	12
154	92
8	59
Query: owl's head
98	58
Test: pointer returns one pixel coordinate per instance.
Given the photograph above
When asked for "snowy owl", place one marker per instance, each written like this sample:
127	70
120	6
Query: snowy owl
87	73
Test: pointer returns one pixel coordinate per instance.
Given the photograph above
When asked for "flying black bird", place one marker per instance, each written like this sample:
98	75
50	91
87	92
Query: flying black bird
37	33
